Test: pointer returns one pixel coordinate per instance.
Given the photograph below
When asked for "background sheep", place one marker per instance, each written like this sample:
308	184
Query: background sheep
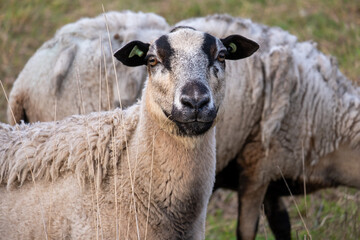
309	111
79	58
121	153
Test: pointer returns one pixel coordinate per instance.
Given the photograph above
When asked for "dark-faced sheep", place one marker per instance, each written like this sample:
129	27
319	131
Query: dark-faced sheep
145	172
257	94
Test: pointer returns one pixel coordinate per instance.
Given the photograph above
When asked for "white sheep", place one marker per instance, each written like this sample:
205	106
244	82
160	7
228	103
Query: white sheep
147	171
257	94
307	109
73	61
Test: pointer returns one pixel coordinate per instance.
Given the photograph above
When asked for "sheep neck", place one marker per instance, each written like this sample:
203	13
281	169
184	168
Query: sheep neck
181	171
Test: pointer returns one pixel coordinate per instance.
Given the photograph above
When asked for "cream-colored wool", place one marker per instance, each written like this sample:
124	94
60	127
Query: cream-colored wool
286	99
245	79
70	62
62	185
129	174
80	144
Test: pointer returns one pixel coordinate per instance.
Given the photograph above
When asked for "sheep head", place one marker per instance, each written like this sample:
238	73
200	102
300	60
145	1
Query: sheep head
186	75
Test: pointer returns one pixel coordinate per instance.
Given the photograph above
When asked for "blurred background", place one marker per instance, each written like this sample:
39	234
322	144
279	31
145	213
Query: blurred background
333	24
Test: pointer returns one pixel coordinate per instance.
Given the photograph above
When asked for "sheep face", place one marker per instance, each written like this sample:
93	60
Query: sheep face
186	75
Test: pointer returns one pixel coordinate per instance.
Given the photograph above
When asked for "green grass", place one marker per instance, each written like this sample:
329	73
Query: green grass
333	24
331	214
218	228
328	214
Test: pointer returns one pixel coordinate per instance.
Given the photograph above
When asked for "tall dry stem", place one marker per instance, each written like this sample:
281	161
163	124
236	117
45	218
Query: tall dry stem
296	205
123	125
150	184
304	176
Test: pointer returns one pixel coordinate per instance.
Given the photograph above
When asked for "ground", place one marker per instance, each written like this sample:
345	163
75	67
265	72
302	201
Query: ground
333	24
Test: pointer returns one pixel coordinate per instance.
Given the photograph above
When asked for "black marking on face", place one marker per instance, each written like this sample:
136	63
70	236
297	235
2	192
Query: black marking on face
196	114
164	51
193	128
209	48
182	27
215	71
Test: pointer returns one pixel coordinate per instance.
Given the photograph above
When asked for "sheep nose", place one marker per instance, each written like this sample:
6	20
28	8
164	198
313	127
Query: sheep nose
195	102
195	96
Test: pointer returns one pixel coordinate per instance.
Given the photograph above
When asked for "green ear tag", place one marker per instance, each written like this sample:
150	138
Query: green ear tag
233	47
136	51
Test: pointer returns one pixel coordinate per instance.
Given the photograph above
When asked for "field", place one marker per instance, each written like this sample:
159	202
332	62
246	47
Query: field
333	24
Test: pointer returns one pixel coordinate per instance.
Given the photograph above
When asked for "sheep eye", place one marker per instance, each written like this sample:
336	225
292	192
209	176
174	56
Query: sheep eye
152	61
221	57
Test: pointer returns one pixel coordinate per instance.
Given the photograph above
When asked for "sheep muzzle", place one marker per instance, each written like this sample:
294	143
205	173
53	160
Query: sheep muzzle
194	111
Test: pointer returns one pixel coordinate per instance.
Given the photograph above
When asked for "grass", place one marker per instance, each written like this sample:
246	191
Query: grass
333	24
330	214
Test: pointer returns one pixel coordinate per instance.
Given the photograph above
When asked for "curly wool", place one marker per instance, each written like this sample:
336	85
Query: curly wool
282	70
80	144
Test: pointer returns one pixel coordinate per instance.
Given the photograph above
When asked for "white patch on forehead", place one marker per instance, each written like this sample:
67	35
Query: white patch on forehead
186	40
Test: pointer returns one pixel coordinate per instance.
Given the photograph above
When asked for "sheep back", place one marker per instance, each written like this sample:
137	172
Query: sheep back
83	144
261	89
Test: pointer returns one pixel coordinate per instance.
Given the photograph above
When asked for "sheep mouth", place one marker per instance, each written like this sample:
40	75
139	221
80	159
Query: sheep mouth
191	127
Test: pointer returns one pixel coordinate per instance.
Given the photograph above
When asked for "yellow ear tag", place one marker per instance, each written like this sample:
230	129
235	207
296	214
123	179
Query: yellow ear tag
233	47
136	51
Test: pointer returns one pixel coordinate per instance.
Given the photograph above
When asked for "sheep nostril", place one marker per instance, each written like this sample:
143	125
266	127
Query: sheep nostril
188	101
194	103
203	102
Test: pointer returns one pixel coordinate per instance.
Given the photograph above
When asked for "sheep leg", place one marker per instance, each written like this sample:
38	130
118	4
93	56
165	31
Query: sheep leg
252	189
277	216
250	199
275	209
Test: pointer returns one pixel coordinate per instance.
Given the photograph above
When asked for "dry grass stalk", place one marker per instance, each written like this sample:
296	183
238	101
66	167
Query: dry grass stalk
123	122
296	205
150	185
304	176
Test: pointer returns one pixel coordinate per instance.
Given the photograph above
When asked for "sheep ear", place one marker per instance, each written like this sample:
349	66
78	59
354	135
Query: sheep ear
239	47
133	54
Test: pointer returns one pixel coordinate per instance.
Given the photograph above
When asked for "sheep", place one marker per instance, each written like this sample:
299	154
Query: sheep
147	171
308	119
255	93
62	67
